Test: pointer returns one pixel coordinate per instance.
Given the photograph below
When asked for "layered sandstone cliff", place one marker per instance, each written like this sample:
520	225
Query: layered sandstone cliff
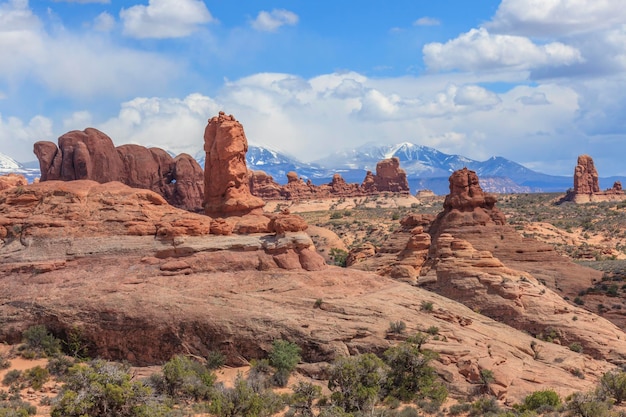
91	155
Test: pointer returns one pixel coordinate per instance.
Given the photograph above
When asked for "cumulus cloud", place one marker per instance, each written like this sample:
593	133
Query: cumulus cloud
104	22
17	137
535	99
556	17
427	21
176	125
162	19
480	50
72	65
272	21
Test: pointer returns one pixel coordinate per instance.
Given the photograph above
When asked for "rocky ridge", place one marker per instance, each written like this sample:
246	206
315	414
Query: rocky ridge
389	178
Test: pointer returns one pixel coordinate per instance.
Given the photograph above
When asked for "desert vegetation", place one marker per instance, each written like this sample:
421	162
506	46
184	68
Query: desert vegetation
401	382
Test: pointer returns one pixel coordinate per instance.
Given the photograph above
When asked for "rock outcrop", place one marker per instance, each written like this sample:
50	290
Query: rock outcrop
587	186
12	180
389	178
91	155
226	184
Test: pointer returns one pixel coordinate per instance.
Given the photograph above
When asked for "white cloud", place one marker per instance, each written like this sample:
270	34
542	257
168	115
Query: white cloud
17	137
84	1
176	125
535	99
556	17
73	65
272	21
480	50
79	120
104	22
165	18
427	21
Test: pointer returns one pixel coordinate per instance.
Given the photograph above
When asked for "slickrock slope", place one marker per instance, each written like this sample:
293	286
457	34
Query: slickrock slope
389	178
587	186
44	226
91	154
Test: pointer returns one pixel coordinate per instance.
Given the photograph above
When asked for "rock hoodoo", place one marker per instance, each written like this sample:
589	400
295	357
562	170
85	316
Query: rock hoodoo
587	186
389	178
91	155
226	184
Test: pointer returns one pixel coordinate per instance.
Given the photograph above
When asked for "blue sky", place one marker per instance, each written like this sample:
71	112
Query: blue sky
535	81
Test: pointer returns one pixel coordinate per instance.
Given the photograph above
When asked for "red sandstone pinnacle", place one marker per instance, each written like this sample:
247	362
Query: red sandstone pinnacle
389	177
586	176
226	184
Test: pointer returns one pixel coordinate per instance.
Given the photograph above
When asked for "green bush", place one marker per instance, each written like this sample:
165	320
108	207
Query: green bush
304	394
38	342
356	382
587	405
541	399
339	256
186	378
12	377
243	400
5	363
576	347
16	408
484	407
397	327
104	389
613	384
284	356
409	374
36	377
59	365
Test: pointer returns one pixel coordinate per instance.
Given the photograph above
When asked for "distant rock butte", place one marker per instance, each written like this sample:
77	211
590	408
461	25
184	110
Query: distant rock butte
91	155
389	178
587	187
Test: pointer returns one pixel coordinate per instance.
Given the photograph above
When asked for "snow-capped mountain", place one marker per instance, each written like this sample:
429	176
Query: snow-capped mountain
8	164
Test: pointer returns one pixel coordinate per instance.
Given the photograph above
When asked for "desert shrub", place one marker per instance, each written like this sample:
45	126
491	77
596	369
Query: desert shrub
427	306
576	347
356	382
484	407
486	378
243	400
418	339
613	384
38	342
260	375
75	344
17	408
587	405
541	400
59	365
397	327
334	411
432	330
339	256
36	377
409	376
5	363
186	378
460	408
215	360
304	394
12	377
284	356
104	389
408	412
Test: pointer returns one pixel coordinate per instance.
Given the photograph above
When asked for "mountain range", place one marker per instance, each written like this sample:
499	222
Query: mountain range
426	168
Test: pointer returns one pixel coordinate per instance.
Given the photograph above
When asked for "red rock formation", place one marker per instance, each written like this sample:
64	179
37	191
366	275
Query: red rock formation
12	180
587	187
226	184
90	154
389	178
586	176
